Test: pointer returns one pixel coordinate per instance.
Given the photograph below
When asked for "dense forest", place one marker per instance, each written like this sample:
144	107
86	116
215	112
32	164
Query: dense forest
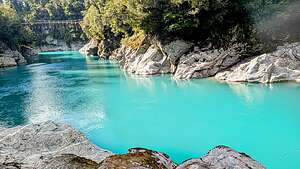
218	22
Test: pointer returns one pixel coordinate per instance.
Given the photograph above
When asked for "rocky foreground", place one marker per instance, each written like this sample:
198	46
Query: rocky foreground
51	145
186	60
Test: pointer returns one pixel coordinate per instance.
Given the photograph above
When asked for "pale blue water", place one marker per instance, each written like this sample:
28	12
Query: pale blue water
183	119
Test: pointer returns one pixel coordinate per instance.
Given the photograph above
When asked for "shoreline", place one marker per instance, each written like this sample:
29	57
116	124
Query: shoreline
52	145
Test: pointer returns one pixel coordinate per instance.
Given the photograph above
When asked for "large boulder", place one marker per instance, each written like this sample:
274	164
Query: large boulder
222	157
281	65
47	145
90	48
138	159
202	64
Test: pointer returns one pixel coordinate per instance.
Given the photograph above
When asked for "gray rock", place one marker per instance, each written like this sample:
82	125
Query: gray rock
222	157
51	145
7	62
200	64
90	48
43	145
176	49
151	62
10	57
281	65
151	58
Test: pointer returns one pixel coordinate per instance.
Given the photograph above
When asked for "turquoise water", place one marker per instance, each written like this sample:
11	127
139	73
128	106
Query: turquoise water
183	119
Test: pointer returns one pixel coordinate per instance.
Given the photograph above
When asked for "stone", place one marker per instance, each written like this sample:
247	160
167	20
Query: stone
28	52
7	62
138	158
151	58
152	62
9	57
281	65
202	64
176	49
52	145
222	157
42	145
90	48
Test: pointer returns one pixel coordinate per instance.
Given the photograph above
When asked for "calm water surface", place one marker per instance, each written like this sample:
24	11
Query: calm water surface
183	119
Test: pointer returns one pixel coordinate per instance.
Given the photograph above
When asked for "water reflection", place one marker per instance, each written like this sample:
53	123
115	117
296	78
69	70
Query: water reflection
44	99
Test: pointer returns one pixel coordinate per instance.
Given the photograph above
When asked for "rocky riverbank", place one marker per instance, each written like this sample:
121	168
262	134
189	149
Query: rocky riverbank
53	45
24	54
186	60
52	145
9	57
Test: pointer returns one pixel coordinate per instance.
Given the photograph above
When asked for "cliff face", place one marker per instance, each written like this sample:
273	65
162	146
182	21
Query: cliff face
52	145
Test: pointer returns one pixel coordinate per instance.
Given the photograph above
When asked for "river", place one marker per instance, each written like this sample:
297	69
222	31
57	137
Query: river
183	119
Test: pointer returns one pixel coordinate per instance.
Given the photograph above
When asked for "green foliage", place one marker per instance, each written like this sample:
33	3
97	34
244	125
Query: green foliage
31	10
11	31
189	19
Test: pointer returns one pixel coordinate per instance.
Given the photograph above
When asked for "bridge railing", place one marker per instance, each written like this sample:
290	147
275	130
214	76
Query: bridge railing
53	22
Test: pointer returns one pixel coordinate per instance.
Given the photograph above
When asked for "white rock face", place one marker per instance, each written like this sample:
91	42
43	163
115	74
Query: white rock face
281	65
151	58
222	157
200	64
47	145
151	62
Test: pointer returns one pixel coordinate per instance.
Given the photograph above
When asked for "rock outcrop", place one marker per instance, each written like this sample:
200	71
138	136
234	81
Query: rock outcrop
90	48
202	64
281	65
47	145
178	58
28	52
51	145
9	57
222	157
151	58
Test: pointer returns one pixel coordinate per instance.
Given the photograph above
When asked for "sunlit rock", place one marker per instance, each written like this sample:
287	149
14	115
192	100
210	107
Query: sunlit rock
51	145
202	64
222	157
90	48
43	145
281	65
